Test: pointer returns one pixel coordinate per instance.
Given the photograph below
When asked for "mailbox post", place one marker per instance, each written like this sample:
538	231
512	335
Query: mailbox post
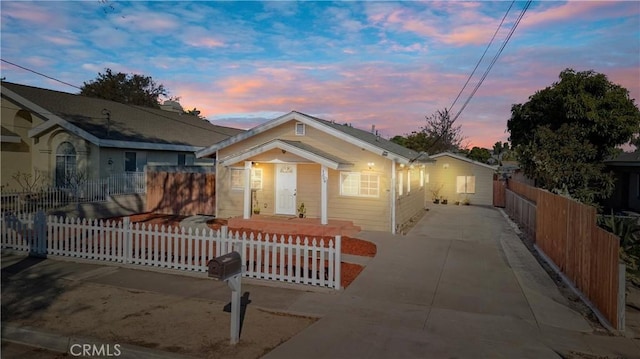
228	267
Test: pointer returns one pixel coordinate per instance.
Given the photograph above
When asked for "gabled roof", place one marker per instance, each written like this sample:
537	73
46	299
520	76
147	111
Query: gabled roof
296	147
627	159
112	124
465	159
366	140
9	136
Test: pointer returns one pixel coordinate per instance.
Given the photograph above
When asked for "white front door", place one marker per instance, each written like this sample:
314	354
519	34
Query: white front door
285	189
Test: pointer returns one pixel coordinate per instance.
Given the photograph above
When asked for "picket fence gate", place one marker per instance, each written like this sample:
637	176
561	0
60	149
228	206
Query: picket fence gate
272	257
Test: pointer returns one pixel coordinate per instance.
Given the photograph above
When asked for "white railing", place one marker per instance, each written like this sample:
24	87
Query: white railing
87	191
279	258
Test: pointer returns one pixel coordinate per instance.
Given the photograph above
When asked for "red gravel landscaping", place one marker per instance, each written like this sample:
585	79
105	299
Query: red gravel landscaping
352	246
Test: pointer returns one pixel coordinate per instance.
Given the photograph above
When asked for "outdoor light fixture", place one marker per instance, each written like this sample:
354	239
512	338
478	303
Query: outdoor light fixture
402	165
445	166
370	164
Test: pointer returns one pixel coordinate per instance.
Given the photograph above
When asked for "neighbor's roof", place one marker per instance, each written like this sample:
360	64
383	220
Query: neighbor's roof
625	159
367	140
113	124
462	158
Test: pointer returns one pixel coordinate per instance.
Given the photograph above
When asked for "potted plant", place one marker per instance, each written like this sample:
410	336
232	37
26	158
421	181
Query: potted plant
256	206
302	211
466	201
444	200
435	192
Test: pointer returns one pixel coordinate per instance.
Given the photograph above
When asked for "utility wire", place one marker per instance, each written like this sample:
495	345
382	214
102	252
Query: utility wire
139	108
482	57
494	60
41	74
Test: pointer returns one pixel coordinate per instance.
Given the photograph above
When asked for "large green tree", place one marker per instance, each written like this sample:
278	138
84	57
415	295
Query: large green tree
564	132
125	88
438	134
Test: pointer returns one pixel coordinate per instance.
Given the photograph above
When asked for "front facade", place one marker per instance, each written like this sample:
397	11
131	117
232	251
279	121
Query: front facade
459	179
335	171
58	137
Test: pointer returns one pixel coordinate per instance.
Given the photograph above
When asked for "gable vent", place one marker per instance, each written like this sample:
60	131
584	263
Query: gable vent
300	129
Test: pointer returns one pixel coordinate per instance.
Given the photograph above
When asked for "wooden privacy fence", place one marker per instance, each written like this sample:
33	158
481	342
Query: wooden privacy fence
567	233
286	259
499	194
181	191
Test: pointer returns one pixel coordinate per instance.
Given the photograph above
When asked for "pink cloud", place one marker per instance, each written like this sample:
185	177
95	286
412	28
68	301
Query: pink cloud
580	10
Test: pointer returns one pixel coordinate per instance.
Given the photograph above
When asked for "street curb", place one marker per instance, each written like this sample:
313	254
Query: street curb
62	344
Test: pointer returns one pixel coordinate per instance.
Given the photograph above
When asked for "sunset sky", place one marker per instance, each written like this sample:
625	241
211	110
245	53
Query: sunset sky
367	63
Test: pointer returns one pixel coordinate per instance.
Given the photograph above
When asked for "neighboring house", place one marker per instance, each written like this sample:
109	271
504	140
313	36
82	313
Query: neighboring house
61	135
337	171
457	178
626	194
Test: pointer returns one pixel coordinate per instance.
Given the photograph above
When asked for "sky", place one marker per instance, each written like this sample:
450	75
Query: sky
382	63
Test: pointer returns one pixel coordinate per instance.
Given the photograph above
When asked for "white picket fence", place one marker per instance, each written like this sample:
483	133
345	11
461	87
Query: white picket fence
87	191
279	258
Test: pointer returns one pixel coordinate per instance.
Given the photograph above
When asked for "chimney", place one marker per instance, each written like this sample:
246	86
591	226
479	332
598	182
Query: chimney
373	129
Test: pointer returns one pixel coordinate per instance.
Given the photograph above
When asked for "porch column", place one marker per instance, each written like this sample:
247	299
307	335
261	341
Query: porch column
324	178
246	214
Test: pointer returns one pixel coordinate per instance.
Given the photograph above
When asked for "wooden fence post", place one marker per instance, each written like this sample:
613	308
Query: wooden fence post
338	264
621	297
39	244
126	237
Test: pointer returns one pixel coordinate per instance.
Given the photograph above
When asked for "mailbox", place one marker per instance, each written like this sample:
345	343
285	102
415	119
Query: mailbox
225	266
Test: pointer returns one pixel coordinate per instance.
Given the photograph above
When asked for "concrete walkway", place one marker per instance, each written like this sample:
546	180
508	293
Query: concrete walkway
460	284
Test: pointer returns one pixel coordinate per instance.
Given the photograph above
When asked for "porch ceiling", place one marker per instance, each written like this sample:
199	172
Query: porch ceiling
297	148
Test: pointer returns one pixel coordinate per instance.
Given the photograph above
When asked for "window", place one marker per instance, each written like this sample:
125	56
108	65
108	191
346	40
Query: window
408	181
237	178
400	183
300	129
256	178
421	178
182	159
130	162
359	184
466	184
65	164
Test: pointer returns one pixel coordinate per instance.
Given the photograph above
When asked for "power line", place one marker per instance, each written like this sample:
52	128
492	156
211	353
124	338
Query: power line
482	57
494	60
139	108
41	74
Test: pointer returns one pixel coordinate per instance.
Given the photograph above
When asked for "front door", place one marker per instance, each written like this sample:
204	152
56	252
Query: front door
286	189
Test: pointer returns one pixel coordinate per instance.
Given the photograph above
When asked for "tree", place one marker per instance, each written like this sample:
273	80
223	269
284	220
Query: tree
437	135
125	88
479	154
564	132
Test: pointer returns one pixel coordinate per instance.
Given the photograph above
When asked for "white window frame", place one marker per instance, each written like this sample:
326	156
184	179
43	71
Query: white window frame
300	129
400	183
238	173
466	184
356	180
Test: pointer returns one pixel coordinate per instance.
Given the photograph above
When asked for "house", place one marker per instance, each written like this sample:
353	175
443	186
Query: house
626	194
58	136
335	170
458	178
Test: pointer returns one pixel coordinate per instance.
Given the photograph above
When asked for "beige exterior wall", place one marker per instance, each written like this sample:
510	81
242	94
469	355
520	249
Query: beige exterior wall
439	176
412	200
366	212
15	157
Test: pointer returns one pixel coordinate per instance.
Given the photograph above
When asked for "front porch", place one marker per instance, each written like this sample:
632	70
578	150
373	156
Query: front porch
294	226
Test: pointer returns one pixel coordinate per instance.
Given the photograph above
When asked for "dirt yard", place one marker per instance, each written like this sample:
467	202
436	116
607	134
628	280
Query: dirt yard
195	327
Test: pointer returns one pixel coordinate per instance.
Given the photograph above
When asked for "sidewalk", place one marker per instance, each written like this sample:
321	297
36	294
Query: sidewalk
460	284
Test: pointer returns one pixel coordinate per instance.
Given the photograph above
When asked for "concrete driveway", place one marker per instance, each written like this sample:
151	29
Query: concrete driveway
460	284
